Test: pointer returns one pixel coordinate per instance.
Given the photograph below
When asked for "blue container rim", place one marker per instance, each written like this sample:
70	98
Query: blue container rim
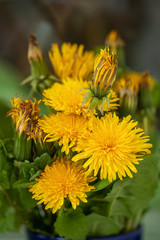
123	236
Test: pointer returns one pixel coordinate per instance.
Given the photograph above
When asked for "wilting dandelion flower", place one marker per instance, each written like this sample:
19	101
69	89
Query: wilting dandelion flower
112	146
64	179
24	114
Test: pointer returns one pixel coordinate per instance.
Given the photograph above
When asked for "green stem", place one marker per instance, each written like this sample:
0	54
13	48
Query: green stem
145	124
128	225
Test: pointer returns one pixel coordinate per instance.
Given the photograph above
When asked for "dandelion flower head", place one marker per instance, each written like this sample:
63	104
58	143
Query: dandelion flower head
24	114
112	146
66	129
64	179
68	97
71	61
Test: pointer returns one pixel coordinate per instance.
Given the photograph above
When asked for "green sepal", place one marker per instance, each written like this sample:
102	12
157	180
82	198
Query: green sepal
22	147
93	103
101	104
87	96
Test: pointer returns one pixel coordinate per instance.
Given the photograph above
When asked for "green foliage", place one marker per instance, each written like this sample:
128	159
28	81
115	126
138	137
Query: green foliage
142	187
101	185
26	199
7	222
156	95
99	226
31	170
71	224
9	84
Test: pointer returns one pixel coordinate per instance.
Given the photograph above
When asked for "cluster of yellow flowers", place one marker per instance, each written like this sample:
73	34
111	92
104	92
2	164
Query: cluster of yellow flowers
89	144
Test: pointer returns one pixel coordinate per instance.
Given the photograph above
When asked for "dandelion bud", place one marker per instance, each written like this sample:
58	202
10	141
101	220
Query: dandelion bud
128	101
114	40
25	116
105	69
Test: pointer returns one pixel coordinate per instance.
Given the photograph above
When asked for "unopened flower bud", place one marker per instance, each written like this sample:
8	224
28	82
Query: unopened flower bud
114	40
105	69
128	101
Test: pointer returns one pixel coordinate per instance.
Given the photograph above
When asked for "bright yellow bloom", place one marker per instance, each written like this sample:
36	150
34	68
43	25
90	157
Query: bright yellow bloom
72	61
105	69
64	179
68	97
112	146
114	40
25	114
66	129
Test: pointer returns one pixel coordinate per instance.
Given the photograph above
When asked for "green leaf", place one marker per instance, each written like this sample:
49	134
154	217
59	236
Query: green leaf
101	185
4	180
71	224
26	199
5	123
9	84
42	161
143	185
22	184
99	226
7	223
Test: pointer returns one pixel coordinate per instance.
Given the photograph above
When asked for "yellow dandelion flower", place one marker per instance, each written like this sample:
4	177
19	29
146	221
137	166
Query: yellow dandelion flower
64	179
65	129
72	61
113	147
133	81
66	96
25	114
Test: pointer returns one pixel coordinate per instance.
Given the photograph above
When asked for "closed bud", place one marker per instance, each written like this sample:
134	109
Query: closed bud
114	40
105	69
128	101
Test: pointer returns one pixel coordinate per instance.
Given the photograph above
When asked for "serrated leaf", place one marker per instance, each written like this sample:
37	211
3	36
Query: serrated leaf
42	161
99	226
101	185
71	224
35	175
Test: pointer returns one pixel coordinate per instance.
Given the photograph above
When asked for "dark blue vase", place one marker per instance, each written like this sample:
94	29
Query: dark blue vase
135	235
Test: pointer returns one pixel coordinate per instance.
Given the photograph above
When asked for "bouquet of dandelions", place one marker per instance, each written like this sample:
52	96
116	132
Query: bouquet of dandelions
80	170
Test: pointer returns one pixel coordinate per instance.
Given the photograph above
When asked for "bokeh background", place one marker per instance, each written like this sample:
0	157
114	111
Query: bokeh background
81	21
